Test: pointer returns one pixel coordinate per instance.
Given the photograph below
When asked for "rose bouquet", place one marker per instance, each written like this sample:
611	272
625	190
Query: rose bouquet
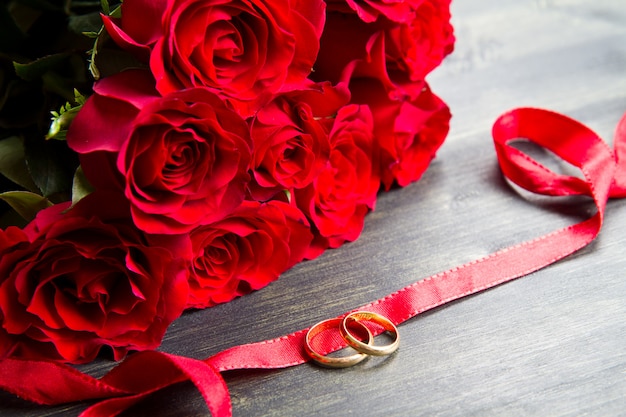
217	144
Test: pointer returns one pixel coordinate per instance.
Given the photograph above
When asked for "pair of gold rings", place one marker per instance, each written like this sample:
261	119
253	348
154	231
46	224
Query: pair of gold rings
350	327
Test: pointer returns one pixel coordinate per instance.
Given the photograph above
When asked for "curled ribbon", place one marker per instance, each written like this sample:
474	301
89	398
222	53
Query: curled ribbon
143	373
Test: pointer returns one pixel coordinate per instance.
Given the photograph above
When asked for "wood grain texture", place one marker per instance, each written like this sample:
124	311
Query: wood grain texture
549	344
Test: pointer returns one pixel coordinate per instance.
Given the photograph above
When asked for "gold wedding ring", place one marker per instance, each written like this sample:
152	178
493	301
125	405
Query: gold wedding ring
364	348
370	348
334	362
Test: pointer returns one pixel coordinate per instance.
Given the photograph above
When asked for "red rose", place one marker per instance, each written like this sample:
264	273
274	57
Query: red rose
183	157
246	50
290	139
343	41
409	131
245	251
418	46
370	10
344	192
76	281
137	35
411	49
410	122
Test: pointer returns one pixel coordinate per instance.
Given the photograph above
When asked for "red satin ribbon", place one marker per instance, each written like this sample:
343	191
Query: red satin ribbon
143	373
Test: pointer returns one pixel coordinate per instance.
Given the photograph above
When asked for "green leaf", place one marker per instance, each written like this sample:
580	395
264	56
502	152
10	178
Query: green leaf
51	165
13	163
81	186
27	204
36	69
105	6
57	84
62	119
117	12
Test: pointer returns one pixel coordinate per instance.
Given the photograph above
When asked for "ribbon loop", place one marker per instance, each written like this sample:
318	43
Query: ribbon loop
566	138
570	140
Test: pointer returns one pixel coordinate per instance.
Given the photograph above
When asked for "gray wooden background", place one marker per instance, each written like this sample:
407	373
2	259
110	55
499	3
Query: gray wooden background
550	344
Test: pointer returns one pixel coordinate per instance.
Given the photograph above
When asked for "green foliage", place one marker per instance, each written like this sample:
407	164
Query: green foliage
104	4
36	69
101	37
25	203
43	66
80	186
51	165
13	163
11	37
62	119
41	5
